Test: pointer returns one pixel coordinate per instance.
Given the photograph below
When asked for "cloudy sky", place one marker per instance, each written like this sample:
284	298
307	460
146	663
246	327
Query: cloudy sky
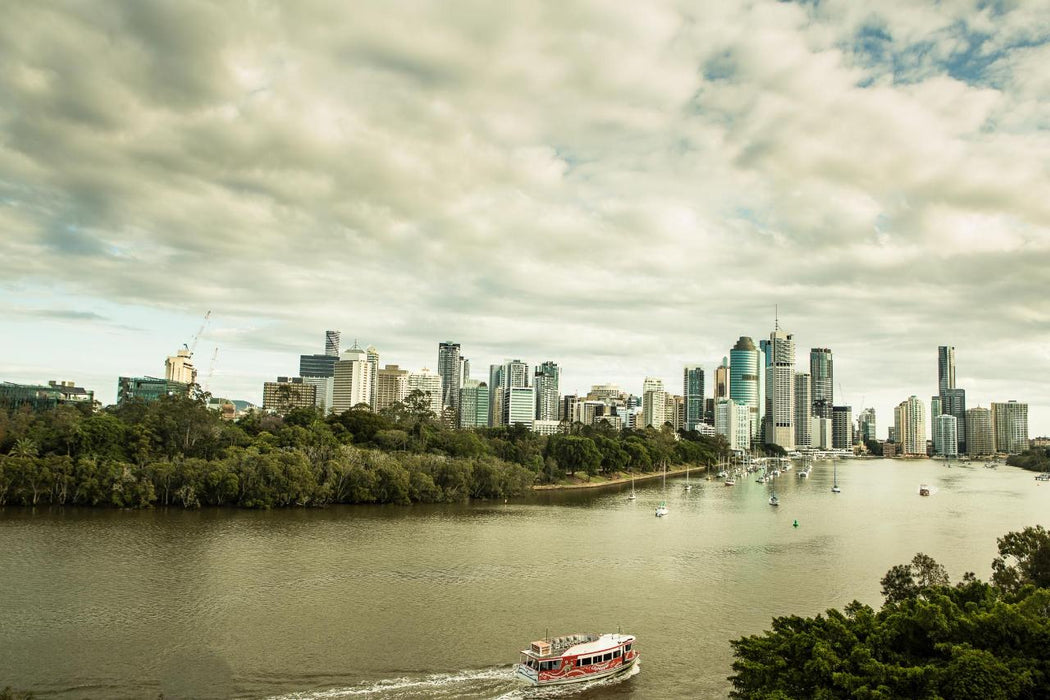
621	187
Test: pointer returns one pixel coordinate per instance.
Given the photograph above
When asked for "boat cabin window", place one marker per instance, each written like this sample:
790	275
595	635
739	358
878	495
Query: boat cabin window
626	648
553	665
585	661
616	654
608	656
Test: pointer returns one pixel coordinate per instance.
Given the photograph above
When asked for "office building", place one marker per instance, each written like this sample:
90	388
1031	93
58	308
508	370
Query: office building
866	425
945	436
179	368
945	368
324	392
693	395
803	410
910	427
352	385
520	405
514	375
568	407
744	363
654	402
545	382
331	343
391	386
780	389
41	398
148	389
449	367
822	379
733	421
495	395
721	389
953	402
288	393
317	365
1010	424
474	404
429	383
980	435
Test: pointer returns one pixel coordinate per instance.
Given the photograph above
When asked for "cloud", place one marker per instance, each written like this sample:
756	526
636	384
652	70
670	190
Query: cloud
597	184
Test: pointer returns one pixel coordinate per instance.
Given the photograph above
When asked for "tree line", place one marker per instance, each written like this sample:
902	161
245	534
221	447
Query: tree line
177	452
930	639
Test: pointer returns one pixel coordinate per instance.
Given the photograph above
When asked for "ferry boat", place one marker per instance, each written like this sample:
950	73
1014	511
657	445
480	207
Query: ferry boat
576	658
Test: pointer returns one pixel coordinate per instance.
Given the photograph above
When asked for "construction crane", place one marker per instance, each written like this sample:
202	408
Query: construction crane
200	331
211	370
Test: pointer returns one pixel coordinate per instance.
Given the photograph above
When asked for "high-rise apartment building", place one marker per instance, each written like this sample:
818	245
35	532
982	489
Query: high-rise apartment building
780	389
331	343
654	402
980	435
515	375
372	355
822	377
429	383
945	436
449	368
744	363
353	380
1010	424
803	410
910	426
495	395
568	407
473	404
693	396
842	427
391	386
179	367
545	382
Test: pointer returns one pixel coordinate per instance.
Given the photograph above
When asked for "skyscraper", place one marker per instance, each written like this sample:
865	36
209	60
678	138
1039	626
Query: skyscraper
331	343
980	437
546	384
391	386
520	406
744	362
945	368
945	439
866	425
722	380
1010	423
474	404
780	389
430	384
953	403
373	359
353	380
910	426
803	409
842	427
693	395
822	377
495	395
731	420
449	369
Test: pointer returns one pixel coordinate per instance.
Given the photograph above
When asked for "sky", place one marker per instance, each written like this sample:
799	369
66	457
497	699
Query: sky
623	188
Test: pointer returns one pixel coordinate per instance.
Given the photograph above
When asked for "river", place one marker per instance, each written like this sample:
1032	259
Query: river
435	601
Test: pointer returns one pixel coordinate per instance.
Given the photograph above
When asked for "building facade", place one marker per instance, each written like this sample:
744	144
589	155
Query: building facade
148	389
41	398
910	426
842	427
179	367
545	382
822	377
288	393
733	421
331	343
803	410
744	364
1010	423
521	406
780	390
429	383
449	367
945	436
866	426
474	404
391	386
693	396
980	440
352	381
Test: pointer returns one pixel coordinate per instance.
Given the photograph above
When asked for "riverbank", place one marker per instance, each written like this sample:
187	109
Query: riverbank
584	482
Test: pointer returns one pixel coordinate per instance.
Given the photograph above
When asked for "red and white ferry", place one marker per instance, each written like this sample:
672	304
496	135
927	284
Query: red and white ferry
577	657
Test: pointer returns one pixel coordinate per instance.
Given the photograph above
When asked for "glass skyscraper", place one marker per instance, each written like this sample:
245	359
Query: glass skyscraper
744	361
693	395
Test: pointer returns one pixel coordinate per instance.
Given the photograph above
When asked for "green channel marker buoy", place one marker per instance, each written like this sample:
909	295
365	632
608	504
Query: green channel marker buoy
794	524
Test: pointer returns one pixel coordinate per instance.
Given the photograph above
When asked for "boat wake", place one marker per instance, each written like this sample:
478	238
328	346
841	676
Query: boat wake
496	682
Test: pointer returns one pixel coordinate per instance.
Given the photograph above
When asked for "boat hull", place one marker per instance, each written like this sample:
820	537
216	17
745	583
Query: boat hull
530	676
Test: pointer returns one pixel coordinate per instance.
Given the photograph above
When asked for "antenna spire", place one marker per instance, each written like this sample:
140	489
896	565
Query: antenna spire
776	317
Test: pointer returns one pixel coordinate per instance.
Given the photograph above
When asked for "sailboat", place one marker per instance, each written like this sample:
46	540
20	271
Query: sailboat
633	495
773	500
835	484
662	510
688	486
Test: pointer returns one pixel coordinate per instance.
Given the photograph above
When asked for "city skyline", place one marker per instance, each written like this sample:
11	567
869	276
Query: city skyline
624	191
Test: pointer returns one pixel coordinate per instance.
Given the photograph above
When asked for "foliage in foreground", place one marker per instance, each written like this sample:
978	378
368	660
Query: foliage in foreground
929	640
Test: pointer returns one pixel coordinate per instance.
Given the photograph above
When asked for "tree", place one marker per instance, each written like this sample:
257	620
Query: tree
906	581
1024	558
